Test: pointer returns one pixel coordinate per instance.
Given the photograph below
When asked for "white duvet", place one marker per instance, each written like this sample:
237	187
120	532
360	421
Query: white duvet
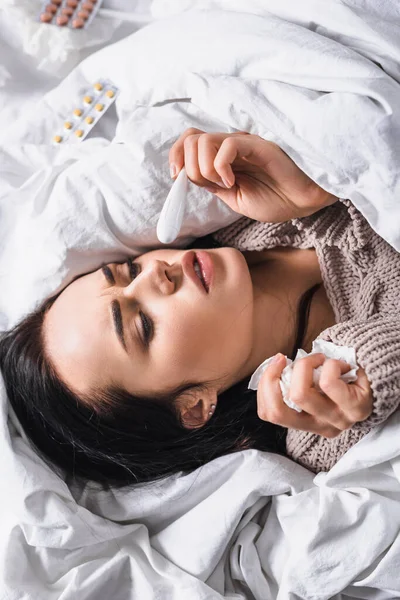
248	525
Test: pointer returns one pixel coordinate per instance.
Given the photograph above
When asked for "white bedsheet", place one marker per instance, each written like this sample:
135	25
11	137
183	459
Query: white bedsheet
248	525
245	526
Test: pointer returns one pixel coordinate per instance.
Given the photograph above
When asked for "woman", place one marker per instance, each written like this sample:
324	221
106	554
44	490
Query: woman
140	369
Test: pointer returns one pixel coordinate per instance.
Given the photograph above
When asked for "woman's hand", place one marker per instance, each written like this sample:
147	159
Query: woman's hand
337	408
252	176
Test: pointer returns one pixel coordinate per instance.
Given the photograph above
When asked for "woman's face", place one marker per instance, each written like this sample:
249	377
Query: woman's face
149	325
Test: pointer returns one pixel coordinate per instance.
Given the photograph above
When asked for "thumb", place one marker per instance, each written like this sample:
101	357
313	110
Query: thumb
274	370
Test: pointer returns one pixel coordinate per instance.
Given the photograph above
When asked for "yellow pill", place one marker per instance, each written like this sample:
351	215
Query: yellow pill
68	125
57	139
78	112
79	132
88	100
89	120
110	94
98	87
99	107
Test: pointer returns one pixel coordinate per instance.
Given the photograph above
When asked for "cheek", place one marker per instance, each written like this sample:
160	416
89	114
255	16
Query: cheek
210	342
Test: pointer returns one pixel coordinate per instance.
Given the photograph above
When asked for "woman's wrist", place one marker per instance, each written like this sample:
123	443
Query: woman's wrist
317	200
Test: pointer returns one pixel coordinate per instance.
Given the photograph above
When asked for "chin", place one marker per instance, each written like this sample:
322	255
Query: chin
234	258
232	271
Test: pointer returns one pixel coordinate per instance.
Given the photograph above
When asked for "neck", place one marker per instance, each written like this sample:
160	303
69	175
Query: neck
280	278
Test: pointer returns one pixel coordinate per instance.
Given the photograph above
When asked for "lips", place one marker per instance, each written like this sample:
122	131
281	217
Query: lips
207	268
204	269
199	273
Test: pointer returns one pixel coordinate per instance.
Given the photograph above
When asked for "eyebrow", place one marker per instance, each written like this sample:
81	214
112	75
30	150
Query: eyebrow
118	324
115	309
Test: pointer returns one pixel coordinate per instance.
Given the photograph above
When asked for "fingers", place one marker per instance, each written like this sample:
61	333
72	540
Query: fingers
208	148
270	381
362	381
270	405
354	400
198	152
322	406
303	393
364	395
303	373
250	148
330	382
177	154
337	408
358	404
191	157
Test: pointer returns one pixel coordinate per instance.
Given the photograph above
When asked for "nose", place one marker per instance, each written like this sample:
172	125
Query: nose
153	278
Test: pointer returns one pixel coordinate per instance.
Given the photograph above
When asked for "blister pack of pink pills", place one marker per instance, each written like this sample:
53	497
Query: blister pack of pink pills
75	14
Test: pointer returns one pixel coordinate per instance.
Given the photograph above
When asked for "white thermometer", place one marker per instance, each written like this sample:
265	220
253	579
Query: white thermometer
171	217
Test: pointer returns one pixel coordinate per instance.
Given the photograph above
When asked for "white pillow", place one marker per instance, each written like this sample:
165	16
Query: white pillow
65	211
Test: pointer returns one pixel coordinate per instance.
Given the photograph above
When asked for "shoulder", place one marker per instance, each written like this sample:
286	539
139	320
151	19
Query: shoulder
341	225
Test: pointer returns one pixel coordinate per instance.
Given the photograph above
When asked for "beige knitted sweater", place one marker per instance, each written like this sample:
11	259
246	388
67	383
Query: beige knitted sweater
361	275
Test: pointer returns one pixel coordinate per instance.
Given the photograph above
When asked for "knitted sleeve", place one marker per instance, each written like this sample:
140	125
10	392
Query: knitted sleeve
340	225
377	344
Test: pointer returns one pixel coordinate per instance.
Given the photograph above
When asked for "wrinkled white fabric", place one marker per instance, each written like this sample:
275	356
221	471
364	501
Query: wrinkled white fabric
250	525
325	100
55	49
90	203
302	80
330	350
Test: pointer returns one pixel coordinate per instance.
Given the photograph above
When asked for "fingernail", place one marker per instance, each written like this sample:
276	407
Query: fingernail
221	184
277	357
172	170
226	182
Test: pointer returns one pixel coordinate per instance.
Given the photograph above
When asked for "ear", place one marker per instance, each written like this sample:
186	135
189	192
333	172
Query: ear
195	407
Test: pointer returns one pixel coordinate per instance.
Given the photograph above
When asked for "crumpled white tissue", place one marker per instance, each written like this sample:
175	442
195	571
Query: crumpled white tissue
319	346
56	49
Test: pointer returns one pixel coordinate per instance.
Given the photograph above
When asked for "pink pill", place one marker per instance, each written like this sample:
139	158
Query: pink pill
88	6
46	17
78	23
83	14
51	8
62	20
58	2
73	3
67	11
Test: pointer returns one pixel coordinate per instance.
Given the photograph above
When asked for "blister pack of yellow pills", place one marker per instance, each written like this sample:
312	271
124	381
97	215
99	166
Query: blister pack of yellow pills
75	14
94	104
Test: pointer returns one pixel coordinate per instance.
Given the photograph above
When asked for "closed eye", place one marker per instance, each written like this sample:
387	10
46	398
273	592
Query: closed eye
108	274
134	268
148	328
147	322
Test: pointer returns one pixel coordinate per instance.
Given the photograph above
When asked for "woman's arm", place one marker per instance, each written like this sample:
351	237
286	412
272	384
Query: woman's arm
252	176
